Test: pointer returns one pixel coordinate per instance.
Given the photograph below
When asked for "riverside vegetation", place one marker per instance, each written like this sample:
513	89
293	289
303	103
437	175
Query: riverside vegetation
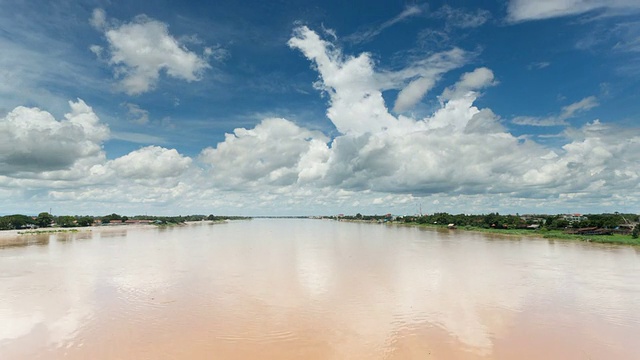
620	228
46	220
616	228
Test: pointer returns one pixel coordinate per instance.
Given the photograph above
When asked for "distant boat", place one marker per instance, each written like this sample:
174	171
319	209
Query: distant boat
451	226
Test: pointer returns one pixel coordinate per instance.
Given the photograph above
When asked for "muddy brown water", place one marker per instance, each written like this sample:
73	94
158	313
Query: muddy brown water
314	289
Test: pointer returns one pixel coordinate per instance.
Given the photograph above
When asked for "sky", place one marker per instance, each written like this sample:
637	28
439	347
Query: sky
319	107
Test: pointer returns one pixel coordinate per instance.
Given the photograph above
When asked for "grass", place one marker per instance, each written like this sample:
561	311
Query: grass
548	234
602	239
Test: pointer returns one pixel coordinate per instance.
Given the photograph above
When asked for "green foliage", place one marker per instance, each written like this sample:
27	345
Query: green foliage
66	221
364	217
16	221
634	233
44	219
510	222
557	222
488	221
85	221
5	224
108	218
182	219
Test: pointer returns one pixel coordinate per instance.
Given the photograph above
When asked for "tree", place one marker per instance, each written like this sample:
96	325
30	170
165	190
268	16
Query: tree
106	219
66	221
19	221
5	224
85	221
44	219
556	223
634	233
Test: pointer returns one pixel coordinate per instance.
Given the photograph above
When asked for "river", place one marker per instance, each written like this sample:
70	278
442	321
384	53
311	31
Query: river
314	289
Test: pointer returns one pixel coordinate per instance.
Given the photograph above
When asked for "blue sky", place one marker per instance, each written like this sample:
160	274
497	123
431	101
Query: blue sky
309	107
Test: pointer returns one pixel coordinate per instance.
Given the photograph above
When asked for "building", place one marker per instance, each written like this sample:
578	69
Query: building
572	218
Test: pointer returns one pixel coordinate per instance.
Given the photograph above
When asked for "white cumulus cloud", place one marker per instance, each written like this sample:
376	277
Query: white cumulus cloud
469	82
460	149
141	50
275	152
357	105
448	151
151	162
413	93
33	141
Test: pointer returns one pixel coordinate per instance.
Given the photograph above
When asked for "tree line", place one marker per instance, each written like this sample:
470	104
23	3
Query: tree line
44	220
497	221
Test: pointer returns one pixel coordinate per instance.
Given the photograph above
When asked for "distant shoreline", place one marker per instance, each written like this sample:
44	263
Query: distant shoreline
98	229
76	229
540	234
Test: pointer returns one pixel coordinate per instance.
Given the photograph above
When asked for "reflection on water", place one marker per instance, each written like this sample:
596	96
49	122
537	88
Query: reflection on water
18	240
27	238
83	235
109	232
314	289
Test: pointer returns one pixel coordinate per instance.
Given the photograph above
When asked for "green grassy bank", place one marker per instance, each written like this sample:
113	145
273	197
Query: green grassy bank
546	234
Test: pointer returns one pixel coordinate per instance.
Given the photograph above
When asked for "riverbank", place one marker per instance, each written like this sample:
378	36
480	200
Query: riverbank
11	238
99	229
56	230
618	239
